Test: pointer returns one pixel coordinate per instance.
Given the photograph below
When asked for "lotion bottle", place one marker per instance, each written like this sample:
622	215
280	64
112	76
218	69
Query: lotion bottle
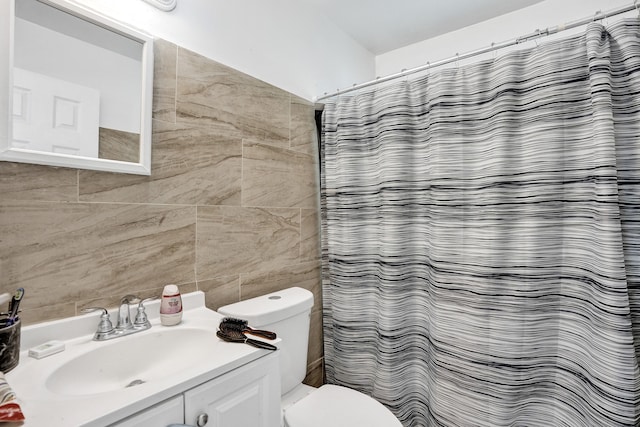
170	306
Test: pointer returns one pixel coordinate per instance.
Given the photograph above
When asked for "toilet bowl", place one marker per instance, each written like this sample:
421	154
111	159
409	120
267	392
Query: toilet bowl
336	406
287	313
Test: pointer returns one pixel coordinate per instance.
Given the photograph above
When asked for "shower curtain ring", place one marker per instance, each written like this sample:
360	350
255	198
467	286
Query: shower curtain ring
595	17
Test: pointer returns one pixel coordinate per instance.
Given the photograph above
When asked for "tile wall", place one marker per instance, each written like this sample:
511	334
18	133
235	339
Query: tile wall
231	207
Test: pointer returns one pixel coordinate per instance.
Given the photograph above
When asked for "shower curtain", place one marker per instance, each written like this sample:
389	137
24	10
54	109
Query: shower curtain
481	238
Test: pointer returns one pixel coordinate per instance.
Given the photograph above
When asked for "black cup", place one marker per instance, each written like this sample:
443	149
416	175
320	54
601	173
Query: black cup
9	346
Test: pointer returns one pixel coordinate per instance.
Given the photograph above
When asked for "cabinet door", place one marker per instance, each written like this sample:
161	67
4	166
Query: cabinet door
168	412
248	396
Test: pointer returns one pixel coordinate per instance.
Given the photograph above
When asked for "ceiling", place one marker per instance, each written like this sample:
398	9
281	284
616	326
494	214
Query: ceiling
384	25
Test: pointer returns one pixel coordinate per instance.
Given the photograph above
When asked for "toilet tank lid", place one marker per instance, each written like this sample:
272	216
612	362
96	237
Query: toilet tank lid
270	308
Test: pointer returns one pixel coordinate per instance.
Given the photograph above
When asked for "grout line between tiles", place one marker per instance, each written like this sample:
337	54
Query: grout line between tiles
181	205
290	101
175	93
270	207
300	234
241	172
195	253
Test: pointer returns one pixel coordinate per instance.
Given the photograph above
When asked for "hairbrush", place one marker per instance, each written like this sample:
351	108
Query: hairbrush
243	326
233	335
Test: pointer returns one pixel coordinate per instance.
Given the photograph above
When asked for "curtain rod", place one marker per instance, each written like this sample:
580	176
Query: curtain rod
531	36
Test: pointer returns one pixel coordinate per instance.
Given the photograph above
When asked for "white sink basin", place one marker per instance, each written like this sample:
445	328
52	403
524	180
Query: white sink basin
94	384
136	359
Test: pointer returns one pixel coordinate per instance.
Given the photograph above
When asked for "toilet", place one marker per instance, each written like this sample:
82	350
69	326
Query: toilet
287	313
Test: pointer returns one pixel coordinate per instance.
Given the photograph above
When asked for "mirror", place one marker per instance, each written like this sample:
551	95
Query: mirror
79	87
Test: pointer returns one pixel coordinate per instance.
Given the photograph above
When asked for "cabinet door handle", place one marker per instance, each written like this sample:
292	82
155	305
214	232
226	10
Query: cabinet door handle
202	419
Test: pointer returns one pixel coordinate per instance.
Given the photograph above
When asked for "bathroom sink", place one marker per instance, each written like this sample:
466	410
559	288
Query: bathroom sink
99	383
131	361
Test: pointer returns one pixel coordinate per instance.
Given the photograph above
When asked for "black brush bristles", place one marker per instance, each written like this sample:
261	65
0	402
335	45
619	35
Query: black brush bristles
234	321
243	326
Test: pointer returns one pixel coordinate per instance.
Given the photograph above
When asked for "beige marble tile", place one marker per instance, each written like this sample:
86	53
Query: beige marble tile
211	93
309	235
119	145
220	291
21	181
190	165
164	80
274	176
30	316
304	136
232	240
315	374
184	288
316	345
61	252
305	275
111	301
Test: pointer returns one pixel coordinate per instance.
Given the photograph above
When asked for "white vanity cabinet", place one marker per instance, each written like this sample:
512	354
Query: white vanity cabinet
170	411
246	396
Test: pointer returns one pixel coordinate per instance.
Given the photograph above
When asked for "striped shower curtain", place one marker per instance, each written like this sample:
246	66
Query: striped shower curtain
481	238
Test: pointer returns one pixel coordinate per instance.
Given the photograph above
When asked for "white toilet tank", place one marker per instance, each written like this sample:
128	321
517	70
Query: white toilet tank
287	313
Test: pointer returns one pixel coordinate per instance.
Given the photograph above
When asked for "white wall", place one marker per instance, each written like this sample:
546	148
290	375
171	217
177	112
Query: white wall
293	47
281	42
548	13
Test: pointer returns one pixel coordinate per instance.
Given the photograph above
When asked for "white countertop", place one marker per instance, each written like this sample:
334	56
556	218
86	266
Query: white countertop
42	407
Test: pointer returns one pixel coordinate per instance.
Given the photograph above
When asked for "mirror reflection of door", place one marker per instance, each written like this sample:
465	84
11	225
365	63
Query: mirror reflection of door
76	86
54	115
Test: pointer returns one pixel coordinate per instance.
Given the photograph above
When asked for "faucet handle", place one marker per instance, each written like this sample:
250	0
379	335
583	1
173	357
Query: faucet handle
105	326
147	300
141	319
129	299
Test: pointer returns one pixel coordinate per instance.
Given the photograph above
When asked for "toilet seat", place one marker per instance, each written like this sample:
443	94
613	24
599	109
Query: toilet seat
337	406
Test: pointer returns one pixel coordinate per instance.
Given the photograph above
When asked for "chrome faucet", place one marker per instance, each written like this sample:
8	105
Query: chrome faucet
124	326
124	315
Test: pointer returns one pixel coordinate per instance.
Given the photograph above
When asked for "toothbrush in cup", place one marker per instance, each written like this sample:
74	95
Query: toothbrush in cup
14	305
